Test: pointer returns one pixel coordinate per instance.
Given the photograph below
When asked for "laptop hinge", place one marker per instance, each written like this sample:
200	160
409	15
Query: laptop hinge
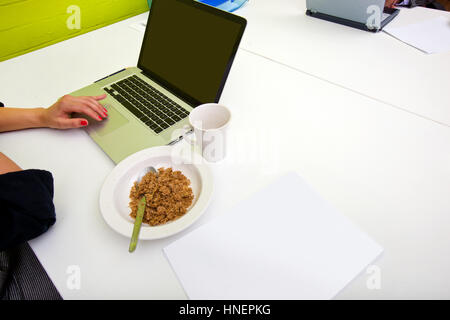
109	75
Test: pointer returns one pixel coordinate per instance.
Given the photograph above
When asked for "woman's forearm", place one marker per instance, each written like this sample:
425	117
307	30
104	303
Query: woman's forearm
7	165
15	118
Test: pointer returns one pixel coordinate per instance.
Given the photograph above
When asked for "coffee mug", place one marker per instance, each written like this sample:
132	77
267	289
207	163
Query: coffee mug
209	122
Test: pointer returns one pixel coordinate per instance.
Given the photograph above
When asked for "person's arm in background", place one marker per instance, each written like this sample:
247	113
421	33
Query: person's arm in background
406	3
391	3
57	116
436	4
416	3
445	4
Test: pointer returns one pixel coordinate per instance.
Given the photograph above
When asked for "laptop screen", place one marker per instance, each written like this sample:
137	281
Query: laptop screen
189	47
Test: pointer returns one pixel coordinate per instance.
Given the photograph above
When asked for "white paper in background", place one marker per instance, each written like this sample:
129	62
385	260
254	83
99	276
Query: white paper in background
284	242
429	36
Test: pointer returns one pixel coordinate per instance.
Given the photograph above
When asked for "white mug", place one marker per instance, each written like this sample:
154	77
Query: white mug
209	122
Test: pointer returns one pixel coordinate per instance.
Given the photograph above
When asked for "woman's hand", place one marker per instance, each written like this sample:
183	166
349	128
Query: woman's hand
58	115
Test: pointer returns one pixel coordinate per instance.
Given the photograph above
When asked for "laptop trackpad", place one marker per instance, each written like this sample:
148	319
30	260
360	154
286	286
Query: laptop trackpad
114	121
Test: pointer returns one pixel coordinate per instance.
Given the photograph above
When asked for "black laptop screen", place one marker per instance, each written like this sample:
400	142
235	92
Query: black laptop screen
189	47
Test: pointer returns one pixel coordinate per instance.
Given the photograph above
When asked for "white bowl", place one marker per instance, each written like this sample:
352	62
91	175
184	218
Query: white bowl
115	193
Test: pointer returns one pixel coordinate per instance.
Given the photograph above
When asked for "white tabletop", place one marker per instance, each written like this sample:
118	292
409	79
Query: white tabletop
385	169
376	65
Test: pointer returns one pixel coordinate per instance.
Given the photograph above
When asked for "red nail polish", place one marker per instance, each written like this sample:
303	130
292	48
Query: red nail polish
105	115
99	118
84	122
106	111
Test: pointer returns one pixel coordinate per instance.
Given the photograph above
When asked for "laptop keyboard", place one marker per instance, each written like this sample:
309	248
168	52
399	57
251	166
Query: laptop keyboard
149	105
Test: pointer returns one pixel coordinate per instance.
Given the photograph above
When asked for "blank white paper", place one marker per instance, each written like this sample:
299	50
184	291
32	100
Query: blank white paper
429	36
285	242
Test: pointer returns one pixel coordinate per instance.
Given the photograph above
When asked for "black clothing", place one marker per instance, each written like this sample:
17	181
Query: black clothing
26	211
26	206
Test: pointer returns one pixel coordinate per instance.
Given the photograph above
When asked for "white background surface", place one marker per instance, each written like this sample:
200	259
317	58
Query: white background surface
376	65
386	169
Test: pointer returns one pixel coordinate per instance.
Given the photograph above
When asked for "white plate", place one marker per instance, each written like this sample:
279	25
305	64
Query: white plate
115	193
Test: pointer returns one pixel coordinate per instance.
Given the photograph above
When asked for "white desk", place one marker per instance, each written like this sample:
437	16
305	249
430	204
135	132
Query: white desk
385	169
376	65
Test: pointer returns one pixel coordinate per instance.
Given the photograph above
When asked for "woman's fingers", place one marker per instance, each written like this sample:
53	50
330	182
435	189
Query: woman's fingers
95	100
72	123
97	107
85	108
100	97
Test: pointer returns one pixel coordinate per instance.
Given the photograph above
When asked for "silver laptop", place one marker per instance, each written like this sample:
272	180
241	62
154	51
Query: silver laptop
186	55
362	14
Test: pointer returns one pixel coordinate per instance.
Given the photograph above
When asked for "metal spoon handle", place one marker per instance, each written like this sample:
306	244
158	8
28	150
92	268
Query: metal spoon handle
137	224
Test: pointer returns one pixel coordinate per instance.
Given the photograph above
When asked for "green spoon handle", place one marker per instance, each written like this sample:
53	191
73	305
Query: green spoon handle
137	224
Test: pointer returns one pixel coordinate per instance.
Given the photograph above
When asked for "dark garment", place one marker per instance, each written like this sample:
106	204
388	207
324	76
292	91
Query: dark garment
26	211
26	206
24	277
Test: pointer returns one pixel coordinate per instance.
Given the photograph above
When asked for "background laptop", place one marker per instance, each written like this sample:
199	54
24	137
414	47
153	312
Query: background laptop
353	13
185	58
